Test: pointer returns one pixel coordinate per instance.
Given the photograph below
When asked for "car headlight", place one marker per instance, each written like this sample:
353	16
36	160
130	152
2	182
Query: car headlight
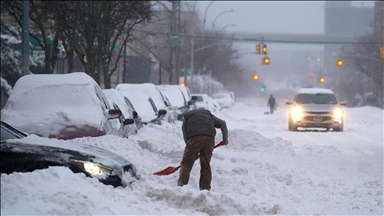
93	168
338	113
297	113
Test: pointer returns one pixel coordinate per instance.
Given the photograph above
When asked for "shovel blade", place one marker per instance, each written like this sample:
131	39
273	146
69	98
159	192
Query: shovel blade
167	171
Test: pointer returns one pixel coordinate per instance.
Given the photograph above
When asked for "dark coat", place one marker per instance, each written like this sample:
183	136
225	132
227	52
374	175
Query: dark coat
202	122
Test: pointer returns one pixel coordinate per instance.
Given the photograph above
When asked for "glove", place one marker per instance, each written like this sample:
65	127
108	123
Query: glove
225	142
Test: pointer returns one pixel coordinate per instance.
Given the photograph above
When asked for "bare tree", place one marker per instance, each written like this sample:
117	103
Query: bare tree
42	28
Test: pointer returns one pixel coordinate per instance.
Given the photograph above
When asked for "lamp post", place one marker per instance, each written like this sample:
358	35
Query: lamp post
222	29
226	11
205	15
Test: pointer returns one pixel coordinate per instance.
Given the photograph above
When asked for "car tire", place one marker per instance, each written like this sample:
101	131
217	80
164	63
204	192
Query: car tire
291	126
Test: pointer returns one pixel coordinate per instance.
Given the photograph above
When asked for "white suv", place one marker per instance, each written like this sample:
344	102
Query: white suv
316	108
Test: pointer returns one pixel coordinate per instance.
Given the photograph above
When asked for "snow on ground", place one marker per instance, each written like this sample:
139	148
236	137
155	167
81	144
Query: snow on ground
264	170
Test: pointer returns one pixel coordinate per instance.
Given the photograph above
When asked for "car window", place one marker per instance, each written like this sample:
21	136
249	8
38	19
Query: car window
185	100
10	133
100	95
316	99
129	103
153	105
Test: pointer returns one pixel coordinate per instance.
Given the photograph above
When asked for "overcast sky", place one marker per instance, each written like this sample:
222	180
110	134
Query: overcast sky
301	17
268	16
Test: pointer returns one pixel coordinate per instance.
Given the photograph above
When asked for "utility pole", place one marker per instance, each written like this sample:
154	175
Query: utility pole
25	38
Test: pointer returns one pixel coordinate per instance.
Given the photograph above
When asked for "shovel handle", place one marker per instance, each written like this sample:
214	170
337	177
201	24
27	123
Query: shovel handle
220	144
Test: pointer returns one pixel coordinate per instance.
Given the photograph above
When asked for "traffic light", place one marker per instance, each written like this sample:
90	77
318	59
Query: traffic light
265	60
262	88
255	77
264	49
321	80
311	74
382	52
340	62
258	48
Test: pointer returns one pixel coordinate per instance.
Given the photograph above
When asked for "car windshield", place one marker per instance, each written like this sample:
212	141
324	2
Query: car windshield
197	98
316	99
8	132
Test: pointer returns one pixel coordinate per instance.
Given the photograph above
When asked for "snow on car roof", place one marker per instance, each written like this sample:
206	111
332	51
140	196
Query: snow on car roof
140	101
173	93
48	100
315	91
148	88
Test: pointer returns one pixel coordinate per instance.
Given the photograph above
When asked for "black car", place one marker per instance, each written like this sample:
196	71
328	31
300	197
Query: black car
22	153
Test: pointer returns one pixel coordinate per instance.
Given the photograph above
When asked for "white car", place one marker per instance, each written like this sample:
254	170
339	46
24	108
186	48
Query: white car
223	99
178	96
161	102
203	101
142	102
316	108
119	101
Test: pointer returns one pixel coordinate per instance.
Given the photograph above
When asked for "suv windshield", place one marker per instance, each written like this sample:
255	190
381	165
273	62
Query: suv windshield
316	99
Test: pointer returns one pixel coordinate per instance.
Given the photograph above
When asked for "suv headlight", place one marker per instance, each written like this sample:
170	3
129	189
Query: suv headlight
297	113
338	113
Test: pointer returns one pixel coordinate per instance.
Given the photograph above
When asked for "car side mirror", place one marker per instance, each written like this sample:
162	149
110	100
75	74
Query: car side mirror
343	103
161	112
191	102
135	114
289	102
128	122
174	107
114	113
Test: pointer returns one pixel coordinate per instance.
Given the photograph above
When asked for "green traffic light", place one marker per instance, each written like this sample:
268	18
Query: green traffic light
262	89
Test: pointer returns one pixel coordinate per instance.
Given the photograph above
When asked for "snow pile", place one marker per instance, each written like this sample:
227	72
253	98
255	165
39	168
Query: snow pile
264	170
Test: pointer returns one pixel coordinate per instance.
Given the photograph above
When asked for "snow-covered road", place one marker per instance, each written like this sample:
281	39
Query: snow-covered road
265	169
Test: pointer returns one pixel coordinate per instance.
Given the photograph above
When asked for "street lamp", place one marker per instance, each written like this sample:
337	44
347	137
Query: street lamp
213	23
222	29
205	14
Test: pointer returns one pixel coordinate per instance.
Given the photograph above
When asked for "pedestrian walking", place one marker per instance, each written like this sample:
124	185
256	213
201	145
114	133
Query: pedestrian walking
199	131
271	104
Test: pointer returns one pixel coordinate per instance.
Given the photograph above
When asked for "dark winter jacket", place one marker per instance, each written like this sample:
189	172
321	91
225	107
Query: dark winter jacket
202	122
271	101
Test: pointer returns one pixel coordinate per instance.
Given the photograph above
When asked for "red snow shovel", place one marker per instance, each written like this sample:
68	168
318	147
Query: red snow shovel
171	169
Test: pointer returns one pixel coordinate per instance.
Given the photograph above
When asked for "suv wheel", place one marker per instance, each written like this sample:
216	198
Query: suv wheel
340	128
291	125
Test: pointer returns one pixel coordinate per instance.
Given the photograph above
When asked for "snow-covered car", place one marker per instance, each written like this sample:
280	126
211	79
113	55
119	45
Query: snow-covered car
160	101
316	108
63	106
203	101
143	102
119	101
177	96
21	152
223	99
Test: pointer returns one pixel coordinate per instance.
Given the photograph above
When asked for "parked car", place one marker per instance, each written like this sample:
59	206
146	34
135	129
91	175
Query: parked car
23	153
63	106
203	101
177	97
143	102
158	98
223	99
316	108
119	101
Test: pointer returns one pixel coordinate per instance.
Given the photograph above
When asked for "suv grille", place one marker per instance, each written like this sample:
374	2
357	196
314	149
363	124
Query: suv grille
318	113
